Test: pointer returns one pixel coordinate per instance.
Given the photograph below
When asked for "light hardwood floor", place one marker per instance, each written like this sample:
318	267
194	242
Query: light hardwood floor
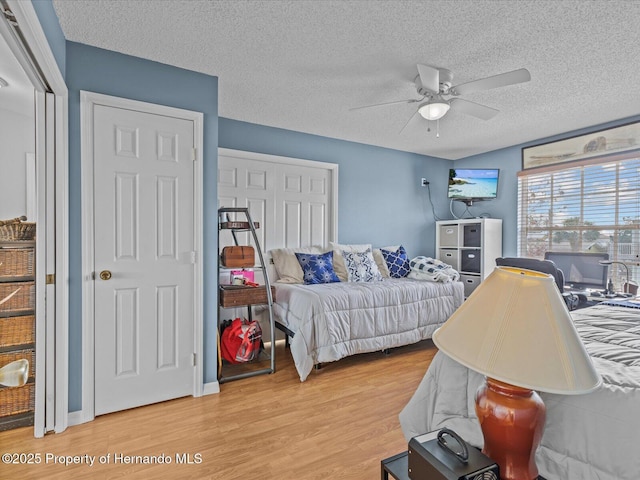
338	424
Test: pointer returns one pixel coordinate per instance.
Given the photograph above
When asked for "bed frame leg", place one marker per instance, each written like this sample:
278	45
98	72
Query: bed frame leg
317	366
386	351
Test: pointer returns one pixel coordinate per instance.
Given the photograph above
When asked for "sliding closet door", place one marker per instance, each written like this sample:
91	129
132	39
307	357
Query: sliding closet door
46	203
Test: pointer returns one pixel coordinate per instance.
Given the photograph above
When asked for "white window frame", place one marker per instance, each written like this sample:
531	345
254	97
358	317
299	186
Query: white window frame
630	256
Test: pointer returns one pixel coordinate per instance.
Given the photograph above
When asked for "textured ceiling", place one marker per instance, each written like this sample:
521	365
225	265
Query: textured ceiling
302	65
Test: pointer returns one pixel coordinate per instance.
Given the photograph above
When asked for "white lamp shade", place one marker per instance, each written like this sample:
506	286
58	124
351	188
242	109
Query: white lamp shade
516	328
435	110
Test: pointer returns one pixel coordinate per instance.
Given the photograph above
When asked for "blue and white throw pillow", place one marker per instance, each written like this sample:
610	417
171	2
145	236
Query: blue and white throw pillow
397	262
317	268
361	266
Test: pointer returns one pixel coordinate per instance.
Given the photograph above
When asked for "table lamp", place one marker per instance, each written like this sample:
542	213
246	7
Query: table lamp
611	262
516	330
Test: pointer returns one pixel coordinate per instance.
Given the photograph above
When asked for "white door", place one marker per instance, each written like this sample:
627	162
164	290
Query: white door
144	258
294	200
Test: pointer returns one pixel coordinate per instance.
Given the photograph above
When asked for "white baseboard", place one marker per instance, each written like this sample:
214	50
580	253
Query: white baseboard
211	388
76	418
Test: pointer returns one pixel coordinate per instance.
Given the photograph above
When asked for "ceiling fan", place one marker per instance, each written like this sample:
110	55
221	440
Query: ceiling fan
437	95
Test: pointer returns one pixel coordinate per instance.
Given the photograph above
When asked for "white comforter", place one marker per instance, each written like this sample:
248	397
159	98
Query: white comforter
335	320
592	436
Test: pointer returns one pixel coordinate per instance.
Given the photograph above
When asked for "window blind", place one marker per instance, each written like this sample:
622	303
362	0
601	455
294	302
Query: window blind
592	206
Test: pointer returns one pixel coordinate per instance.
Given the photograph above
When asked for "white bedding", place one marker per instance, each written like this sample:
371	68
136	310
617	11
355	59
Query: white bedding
334	320
592	436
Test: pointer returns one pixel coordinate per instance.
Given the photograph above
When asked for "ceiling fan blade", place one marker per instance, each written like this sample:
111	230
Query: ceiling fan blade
472	108
502	80
429	77
408	121
387	103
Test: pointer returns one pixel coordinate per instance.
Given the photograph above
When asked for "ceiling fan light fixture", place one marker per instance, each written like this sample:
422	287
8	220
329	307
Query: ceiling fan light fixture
434	109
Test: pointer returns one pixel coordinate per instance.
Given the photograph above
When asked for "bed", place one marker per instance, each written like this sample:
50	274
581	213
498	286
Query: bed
330	321
592	436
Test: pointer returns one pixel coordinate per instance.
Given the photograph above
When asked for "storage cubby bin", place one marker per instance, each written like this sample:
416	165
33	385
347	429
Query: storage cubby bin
470	260
472	235
471	246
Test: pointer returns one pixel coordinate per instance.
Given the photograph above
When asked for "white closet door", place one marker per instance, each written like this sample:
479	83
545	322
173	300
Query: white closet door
248	183
294	200
303	197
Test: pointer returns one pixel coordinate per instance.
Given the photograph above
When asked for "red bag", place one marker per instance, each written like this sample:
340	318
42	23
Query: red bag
241	341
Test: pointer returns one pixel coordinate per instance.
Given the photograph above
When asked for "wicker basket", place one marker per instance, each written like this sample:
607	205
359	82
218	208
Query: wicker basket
23	297
17	331
16	262
17	229
238	295
17	400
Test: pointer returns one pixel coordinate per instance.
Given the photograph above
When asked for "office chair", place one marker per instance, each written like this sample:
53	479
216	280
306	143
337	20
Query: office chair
572	300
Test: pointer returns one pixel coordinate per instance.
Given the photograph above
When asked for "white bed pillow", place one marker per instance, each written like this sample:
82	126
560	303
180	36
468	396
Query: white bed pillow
361	266
338	262
287	265
380	261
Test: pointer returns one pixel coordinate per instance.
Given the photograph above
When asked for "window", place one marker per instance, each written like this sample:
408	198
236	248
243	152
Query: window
590	206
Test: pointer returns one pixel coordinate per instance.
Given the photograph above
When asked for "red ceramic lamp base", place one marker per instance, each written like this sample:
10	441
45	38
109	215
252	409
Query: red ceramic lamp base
512	422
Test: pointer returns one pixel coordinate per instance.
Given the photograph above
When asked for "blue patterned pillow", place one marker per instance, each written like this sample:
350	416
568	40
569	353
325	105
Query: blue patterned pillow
398	262
361	266
317	268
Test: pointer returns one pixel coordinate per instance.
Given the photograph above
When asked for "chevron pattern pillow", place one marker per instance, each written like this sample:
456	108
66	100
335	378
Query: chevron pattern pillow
397	262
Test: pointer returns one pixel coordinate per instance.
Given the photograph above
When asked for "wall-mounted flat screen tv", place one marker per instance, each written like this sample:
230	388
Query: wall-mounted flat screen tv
473	183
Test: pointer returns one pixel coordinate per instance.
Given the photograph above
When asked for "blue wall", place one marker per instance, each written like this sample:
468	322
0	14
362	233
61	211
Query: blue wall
102	71
380	200
51	28
509	161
